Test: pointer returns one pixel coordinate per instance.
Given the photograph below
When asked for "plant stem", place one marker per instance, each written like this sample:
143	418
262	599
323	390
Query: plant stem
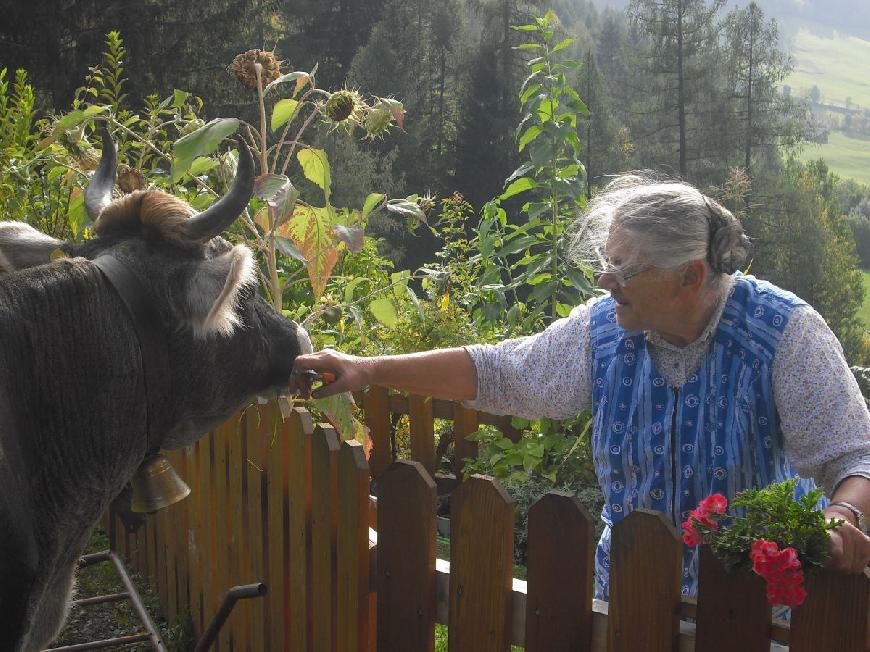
271	256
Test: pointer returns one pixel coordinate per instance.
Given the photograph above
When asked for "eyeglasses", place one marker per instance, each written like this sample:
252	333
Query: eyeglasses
622	274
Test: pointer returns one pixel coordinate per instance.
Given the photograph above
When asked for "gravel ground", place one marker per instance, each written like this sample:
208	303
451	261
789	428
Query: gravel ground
104	621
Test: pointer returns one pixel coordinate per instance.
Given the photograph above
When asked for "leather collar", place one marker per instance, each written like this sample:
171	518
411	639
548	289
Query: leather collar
151	334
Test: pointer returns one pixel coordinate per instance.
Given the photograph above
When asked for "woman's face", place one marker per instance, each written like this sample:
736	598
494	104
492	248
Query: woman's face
647	298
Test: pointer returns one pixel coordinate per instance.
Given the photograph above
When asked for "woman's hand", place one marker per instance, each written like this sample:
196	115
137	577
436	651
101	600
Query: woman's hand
848	546
340	373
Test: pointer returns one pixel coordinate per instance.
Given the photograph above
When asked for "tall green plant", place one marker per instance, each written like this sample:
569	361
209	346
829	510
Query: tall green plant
524	262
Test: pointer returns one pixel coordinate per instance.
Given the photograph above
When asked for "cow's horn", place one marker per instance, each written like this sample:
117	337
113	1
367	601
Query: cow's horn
223	212
99	191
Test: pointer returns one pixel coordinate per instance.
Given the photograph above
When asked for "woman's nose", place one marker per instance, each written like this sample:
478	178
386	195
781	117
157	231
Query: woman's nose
606	281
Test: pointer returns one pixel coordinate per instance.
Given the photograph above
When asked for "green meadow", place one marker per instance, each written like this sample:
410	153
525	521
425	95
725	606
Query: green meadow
839	67
848	157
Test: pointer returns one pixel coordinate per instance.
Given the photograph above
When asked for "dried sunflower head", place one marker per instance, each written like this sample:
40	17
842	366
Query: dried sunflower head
344	108
243	67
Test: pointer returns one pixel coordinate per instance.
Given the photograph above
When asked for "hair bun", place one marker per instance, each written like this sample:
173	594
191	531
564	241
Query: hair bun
729	246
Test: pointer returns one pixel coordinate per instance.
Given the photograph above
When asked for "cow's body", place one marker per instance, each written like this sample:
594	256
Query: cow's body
75	422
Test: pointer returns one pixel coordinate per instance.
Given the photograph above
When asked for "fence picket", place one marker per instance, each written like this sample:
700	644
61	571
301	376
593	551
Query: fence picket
299	472
643	595
376	404
236	554
733	613
221	524
278	523
324	501
422	432
195	559
834	616
481	567
255	471
465	422
353	551
209	535
560	575
406	559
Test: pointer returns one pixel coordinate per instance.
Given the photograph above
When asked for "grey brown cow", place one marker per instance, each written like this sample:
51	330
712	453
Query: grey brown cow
142	338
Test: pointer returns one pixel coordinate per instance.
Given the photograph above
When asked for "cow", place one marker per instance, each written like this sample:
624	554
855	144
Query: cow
141	338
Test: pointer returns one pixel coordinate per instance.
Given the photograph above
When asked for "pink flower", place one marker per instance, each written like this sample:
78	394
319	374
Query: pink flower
713	504
781	570
691	537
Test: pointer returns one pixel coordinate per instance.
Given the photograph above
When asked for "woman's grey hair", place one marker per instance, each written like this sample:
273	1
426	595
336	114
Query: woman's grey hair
659	222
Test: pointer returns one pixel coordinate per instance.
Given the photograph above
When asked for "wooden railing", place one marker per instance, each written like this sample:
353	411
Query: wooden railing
286	503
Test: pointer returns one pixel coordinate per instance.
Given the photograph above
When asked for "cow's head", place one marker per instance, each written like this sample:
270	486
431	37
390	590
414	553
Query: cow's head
225	342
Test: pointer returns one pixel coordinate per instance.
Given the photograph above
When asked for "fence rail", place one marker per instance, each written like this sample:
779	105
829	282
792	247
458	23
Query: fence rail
286	503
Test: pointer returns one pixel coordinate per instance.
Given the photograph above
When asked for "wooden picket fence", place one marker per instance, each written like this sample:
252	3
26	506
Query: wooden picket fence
286	503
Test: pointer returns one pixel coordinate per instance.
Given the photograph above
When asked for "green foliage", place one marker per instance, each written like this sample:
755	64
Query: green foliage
524	271
773	513
550	455
557	451
104	82
803	243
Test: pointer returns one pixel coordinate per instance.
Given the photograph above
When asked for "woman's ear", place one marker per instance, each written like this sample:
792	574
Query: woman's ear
695	275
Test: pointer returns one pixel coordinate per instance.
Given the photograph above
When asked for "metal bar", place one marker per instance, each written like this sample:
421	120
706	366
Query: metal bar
236	593
136	600
99	599
96	645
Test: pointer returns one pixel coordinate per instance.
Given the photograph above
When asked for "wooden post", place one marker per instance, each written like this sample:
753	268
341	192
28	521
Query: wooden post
733	613
422	432
560	565
646	565
324	503
258	422
278	577
834	616
353	549
300	529
376	405
481	567
406	559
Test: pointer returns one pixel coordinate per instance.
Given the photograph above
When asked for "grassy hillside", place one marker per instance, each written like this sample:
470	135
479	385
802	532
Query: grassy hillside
848	157
839	66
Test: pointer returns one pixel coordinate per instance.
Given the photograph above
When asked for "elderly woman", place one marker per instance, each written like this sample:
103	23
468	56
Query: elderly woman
700	379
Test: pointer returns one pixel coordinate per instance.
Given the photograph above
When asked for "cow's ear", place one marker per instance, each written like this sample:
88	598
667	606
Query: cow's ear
213	291
23	246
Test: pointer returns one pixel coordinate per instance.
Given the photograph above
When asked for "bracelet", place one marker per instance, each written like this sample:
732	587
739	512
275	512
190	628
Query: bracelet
860	522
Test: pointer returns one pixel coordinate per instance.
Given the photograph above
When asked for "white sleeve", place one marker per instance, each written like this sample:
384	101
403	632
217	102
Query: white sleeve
544	375
824	418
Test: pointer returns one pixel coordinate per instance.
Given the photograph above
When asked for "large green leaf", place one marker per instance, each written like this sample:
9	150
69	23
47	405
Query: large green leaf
372	200
407	208
279	194
71	120
520	185
283	111
384	311
340	412
311	228
301	78
201	142
315	165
